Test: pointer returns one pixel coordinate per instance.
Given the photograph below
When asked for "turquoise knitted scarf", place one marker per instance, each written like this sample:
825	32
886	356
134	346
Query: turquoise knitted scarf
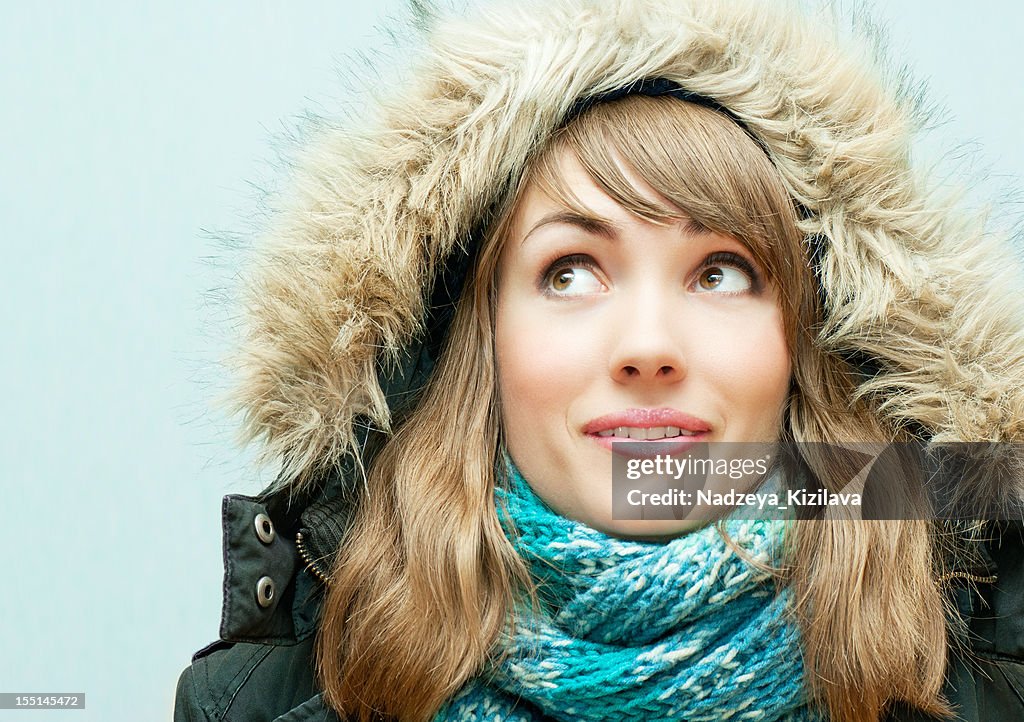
684	630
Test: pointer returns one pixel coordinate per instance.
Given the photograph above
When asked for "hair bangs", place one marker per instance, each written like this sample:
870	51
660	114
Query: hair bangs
666	160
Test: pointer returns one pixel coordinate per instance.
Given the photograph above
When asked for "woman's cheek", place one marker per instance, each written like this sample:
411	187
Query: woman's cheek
538	357
750	366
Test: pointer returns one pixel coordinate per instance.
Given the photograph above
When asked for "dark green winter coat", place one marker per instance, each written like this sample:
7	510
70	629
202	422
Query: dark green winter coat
262	667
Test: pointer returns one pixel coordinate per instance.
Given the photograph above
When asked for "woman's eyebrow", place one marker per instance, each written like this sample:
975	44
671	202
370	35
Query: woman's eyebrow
591	224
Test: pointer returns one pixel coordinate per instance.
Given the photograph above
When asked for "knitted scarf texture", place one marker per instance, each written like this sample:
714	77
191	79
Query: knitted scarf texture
683	630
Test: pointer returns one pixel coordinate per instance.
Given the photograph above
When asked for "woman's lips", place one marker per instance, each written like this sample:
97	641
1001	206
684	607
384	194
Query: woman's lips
646	419
647	447
664	430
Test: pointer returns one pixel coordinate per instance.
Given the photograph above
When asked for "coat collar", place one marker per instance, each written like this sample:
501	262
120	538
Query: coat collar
268	596
313	710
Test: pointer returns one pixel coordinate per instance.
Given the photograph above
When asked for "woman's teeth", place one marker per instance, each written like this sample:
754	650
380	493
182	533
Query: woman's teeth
645	434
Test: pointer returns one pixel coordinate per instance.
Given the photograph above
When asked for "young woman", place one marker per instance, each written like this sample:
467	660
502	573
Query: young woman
577	223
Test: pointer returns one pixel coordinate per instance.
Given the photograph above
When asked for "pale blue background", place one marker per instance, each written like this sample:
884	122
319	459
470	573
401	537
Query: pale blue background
129	132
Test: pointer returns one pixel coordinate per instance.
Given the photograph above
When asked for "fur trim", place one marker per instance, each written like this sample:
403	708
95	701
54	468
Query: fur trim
340	283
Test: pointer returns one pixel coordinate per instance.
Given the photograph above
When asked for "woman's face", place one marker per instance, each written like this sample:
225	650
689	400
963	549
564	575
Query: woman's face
610	321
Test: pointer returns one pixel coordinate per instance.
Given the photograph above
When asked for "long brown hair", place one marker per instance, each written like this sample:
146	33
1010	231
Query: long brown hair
426	579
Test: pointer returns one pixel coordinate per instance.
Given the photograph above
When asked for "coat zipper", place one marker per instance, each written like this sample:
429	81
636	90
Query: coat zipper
311	565
967	575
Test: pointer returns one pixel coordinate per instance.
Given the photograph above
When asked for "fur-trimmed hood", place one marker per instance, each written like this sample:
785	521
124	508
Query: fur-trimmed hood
342	284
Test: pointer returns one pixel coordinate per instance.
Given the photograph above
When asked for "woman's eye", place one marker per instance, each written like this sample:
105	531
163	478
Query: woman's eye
731	274
572	278
723	279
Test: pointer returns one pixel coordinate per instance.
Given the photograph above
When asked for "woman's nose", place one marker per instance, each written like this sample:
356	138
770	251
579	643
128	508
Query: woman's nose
647	345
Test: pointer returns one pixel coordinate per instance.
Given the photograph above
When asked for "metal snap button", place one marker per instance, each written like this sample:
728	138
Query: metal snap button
265	528
265	589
